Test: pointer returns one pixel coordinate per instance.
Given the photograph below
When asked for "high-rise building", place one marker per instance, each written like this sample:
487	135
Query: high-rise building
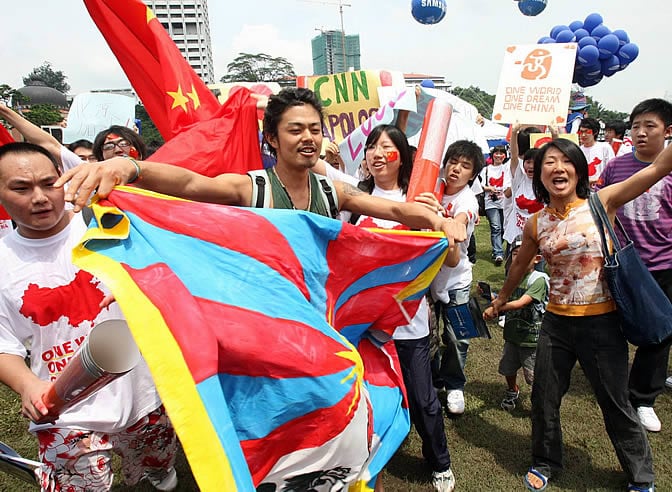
335	52
188	25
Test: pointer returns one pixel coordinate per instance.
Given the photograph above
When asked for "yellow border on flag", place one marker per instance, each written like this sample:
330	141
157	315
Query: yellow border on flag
210	465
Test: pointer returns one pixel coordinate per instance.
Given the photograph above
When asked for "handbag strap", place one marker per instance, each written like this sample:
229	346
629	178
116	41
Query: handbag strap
602	221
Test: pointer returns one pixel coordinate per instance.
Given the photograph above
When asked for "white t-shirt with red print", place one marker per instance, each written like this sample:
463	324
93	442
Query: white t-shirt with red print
498	177
524	204
597	156
50	305
459	276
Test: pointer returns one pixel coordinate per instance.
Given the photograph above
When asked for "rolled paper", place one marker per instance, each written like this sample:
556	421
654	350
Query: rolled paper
427	163
108	352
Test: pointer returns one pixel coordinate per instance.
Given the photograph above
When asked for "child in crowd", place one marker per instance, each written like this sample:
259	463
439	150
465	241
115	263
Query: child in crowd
451	287
521	330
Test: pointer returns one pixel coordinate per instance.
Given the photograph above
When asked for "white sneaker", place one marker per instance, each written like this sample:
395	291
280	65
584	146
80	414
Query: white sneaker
443	481
455	402
668	382
166	483
649	419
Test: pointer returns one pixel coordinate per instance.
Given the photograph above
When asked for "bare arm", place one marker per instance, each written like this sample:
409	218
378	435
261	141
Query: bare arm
513	148
519	303
228	189
616	195
32	133
413	215
518	268
17	375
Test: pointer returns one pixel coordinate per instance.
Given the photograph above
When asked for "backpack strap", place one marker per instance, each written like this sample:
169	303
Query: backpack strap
328	194
261	189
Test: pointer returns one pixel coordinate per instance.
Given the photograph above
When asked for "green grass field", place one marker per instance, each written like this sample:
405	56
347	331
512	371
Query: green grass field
490	448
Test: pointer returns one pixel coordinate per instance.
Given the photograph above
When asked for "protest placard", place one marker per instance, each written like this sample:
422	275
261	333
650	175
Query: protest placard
93	112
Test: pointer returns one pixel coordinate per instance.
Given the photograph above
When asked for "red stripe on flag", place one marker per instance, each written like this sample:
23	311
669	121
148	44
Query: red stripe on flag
232	228
308	431
227	337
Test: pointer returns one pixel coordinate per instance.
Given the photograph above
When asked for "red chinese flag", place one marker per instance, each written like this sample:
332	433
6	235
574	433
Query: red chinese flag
5	136
201	134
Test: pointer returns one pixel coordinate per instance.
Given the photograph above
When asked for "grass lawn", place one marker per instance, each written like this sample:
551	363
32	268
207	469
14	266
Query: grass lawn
490	448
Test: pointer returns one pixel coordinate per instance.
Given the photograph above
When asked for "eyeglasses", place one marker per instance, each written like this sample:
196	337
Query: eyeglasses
122	144
585	131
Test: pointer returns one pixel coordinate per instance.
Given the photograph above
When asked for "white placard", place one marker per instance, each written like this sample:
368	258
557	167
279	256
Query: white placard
92	112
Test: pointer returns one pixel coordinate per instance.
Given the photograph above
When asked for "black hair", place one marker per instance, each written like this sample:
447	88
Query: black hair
523	139
283	100
530	154
468	150
659	107
81	143
500	149
401	143
28	148
578	160
591	124
125	133
617	125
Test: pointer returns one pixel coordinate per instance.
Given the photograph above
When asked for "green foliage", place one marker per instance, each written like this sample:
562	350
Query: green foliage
483	101
7	92
597	110
43	115
261	67
149	131
50	77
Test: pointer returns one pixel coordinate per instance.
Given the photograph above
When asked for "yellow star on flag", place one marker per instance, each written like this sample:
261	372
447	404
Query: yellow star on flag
150	15
179	99
194	97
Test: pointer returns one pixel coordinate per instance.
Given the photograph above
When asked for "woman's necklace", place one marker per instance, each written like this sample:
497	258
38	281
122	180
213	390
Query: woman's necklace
291	202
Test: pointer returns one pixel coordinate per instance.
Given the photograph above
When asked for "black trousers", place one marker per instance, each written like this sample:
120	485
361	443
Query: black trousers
424	405
649	367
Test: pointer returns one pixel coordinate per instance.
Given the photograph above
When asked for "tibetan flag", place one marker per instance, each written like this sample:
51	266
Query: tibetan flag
245	318
213	139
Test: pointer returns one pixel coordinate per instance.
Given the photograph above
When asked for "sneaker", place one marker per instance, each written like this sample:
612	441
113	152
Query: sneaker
166	482
455	402
636	488
510	399
443	481
649	419
499	260
668	382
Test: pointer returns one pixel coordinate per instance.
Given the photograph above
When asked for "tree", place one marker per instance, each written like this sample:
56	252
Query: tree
43	115
45	73
261	67
8	93
483	101
149	132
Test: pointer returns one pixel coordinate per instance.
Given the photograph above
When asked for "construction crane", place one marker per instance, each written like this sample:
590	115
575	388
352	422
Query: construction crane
340	5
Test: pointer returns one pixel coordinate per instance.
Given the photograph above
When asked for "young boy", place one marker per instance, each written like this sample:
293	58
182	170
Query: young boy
451	287
521	330
597	153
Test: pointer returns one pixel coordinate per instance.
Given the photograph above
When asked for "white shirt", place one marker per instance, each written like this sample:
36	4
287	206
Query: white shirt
498	177
459	276
49	304
597	156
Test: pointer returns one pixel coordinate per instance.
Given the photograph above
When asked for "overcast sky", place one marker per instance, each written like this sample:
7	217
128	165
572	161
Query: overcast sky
466	47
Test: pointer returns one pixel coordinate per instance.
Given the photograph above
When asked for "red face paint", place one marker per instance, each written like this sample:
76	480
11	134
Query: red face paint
392	155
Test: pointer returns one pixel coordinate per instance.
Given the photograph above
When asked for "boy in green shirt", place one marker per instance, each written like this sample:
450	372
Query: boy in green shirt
521	329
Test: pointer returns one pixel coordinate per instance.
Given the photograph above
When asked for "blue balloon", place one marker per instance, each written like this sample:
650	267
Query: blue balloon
531	7
546	40
608	45
622	36
581	33
600	31
592	21
593	70
557	29
577	24
587	41
428	11
588	55
565	36
429	84
610	66
628	53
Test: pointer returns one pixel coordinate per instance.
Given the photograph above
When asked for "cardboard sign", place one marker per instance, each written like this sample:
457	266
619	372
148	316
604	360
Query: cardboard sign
349	98
534	85
93	112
